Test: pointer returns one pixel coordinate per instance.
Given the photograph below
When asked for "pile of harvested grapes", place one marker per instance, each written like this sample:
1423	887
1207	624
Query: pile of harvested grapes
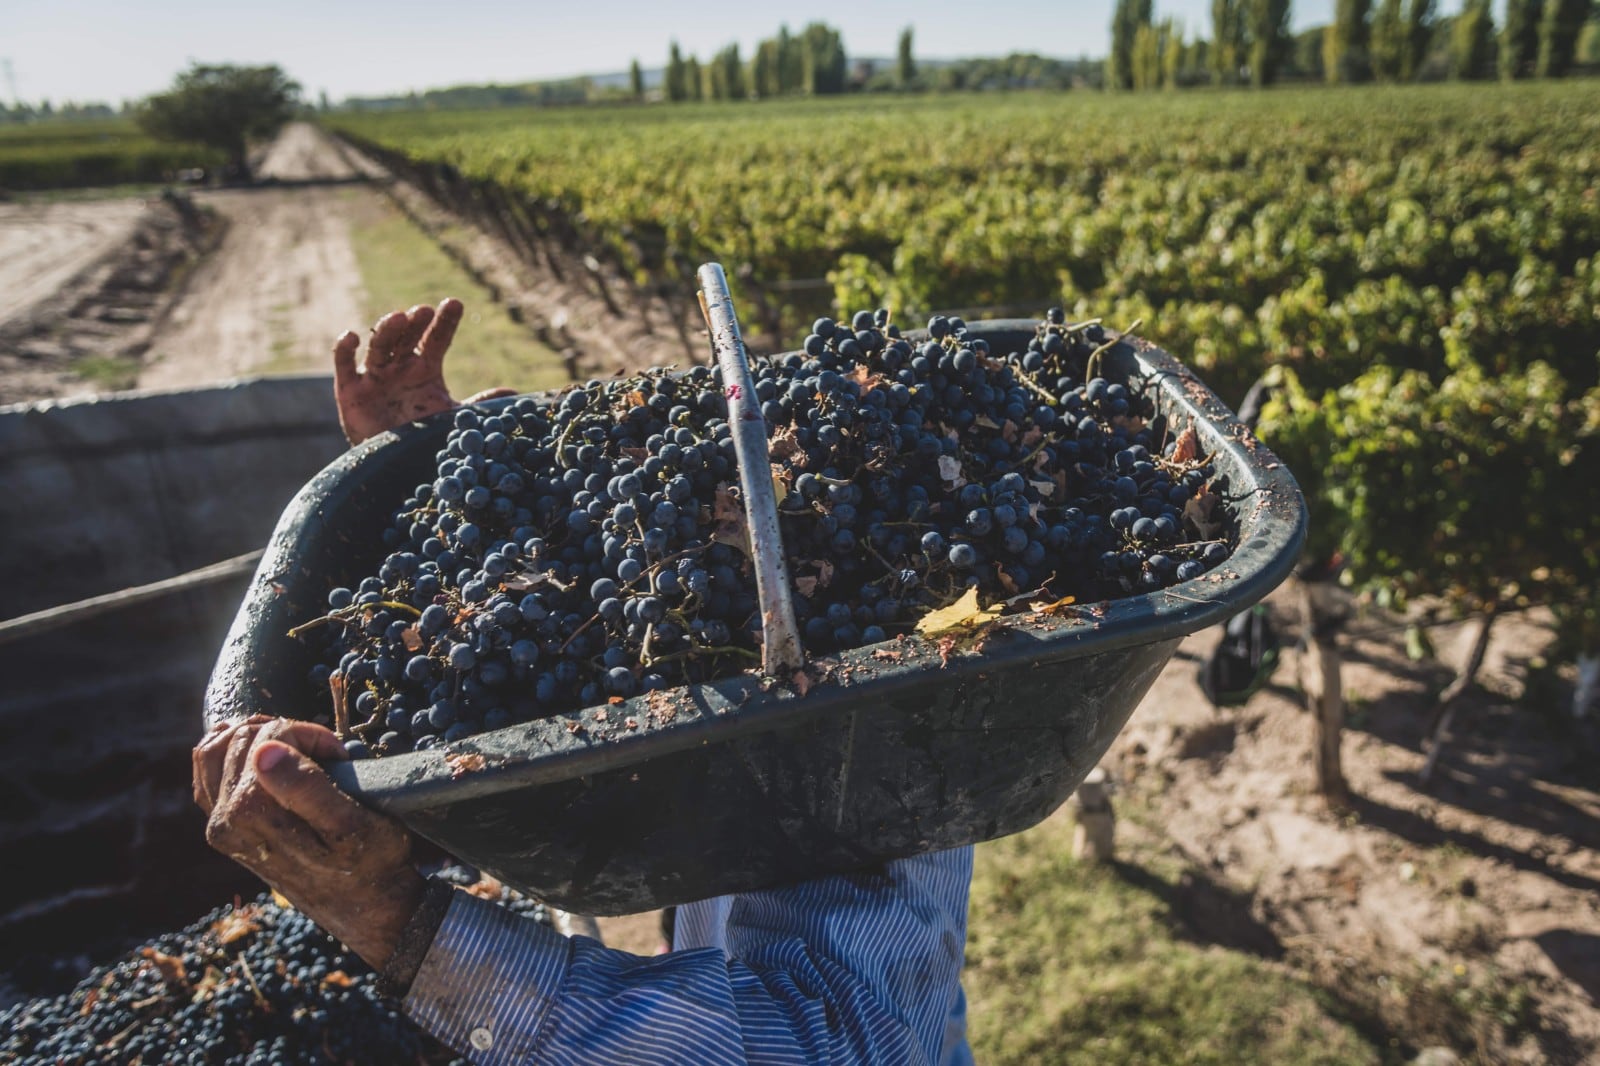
253	984
574	549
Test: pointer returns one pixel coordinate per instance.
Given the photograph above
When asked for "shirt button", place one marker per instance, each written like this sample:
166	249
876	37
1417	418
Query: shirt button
482	1039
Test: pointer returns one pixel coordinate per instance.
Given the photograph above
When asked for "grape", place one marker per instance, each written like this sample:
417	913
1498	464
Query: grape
255	984
567	550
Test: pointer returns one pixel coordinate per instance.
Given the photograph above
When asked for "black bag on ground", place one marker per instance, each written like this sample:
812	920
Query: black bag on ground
1243	660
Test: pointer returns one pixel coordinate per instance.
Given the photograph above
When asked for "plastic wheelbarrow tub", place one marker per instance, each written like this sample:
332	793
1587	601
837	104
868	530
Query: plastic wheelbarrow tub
744	783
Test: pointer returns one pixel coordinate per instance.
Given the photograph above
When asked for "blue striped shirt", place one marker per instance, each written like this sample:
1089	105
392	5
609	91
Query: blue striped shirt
861	968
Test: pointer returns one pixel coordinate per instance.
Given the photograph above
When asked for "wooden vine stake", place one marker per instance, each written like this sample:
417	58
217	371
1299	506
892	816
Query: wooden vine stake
781	654
1093	836
1319	680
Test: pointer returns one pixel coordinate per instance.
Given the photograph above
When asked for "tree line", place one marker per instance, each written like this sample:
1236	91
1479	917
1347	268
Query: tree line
812	62
1392	41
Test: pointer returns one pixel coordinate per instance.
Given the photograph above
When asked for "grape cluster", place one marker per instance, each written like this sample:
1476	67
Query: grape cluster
590	546
256	984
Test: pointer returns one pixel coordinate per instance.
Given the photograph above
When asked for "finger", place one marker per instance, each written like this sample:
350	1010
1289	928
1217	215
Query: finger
443	331
418	319
317	741
208	758
380	349
344	359
236	760
206	769
302	788
230	767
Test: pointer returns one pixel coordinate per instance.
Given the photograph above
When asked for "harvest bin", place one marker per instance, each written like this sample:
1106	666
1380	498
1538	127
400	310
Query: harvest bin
742	784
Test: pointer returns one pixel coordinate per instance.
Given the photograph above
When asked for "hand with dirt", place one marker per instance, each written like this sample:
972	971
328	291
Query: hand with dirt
402	377
271	808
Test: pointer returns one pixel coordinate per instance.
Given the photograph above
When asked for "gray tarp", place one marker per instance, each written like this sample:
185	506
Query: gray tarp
96	718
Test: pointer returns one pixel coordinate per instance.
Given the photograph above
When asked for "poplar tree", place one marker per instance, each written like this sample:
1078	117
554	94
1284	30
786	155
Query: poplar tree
825	60
1519	38
677	77
693	82
1388	41
1559	28
1173	53
1228	37
1419	31
1344	51
1471	41
1126	20
1269	39
906	68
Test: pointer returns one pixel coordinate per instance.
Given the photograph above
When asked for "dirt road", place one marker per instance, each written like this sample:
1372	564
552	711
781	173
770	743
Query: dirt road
44	246
281	286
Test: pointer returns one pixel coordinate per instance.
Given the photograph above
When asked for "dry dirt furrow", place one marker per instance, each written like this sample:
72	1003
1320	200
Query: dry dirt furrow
45	246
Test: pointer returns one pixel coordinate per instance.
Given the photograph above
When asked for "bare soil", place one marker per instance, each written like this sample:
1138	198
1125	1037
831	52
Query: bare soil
1478	898
44	246
84	308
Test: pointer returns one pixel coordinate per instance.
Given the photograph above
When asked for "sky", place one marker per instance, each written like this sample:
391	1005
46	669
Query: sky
115	50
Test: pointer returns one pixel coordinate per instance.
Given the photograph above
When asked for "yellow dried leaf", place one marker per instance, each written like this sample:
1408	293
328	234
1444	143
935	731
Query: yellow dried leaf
1056	607
962	614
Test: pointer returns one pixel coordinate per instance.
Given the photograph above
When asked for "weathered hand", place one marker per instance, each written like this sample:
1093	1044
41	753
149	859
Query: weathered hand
272	809
402	376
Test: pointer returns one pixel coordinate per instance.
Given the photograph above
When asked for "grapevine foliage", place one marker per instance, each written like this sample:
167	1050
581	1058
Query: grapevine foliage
1447	234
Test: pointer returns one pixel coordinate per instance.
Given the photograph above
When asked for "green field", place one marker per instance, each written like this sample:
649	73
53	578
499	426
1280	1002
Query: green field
88	153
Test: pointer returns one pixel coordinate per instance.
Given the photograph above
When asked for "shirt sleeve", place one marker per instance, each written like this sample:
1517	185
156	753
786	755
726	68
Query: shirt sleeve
861	968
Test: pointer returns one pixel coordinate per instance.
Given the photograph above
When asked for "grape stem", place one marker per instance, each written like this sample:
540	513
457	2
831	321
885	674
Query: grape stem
725	649
1092	367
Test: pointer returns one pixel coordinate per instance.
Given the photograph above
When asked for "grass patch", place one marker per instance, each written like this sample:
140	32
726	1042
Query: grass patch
401	267
107	373
1070	963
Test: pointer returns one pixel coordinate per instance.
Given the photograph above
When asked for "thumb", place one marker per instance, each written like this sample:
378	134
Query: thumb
301	787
